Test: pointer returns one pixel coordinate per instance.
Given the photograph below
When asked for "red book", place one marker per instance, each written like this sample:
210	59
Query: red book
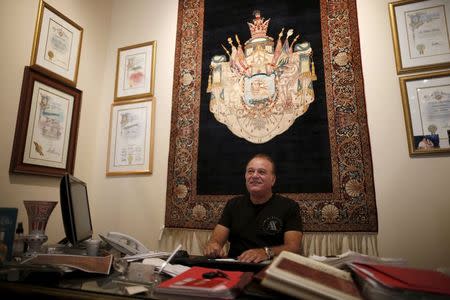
193	283
403	278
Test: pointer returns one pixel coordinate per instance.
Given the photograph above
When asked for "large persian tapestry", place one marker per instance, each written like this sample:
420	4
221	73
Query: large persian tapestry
322	149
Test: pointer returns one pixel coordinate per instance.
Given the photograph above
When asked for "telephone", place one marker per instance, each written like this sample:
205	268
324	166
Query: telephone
124	243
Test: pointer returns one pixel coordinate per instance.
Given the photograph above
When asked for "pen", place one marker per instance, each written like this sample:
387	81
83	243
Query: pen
169	259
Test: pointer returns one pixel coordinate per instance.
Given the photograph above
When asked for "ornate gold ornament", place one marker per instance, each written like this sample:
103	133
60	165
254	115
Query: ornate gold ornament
260	91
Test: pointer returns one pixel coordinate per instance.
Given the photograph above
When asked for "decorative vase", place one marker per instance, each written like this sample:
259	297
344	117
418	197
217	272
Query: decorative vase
38	213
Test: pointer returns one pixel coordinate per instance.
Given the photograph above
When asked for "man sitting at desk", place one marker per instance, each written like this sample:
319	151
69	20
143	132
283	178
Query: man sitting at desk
260	224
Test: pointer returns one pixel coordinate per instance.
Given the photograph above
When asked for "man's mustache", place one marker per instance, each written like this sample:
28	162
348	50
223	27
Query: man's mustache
255	181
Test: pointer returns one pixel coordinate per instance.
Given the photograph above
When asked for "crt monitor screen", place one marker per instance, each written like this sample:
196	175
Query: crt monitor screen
75	209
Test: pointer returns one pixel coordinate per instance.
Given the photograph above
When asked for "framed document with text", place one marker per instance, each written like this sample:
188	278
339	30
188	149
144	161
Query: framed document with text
57	45
426	104
46	134
420	31
131	136
135	71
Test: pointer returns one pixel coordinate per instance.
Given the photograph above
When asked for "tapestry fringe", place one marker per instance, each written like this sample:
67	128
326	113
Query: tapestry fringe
318	243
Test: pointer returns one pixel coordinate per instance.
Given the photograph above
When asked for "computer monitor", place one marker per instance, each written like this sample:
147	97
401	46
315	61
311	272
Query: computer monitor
75	210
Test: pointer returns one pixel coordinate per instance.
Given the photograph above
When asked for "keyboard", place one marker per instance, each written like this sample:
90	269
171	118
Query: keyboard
218	263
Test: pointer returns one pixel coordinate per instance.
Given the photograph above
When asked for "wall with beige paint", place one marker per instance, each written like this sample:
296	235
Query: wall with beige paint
412	194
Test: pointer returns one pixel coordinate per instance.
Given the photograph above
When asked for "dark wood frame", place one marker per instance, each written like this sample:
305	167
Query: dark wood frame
17	165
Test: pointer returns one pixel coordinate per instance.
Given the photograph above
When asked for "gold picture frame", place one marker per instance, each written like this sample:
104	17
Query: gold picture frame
426	105
57	45
135	71
420	32
46	134
131	137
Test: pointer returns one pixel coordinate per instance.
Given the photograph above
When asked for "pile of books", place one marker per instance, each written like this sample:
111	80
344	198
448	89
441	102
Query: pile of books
307	278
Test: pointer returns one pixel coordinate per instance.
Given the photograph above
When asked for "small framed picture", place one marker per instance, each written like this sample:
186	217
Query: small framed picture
8	217
426	105
135	71
57	45
420	31
131	136
46	134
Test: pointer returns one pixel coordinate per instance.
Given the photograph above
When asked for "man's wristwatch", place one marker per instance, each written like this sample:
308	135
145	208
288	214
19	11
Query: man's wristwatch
269	252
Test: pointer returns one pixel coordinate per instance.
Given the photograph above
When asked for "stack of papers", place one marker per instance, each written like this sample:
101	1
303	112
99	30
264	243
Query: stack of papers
169	269
340	261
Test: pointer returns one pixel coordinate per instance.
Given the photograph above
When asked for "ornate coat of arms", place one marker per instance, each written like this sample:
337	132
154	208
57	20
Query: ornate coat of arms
260	91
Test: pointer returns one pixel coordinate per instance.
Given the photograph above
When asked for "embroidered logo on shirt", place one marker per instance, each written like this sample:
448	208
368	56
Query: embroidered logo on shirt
272	225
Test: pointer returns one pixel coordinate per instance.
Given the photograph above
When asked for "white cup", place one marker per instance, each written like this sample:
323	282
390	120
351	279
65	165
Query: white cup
92	247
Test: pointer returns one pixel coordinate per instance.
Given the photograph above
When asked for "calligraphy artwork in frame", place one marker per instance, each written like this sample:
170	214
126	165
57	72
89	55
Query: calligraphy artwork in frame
57	45
135	71
46	134
426	105
131	137
421	34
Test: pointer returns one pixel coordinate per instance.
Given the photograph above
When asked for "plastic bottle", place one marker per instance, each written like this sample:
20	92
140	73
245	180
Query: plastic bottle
19	244
3	247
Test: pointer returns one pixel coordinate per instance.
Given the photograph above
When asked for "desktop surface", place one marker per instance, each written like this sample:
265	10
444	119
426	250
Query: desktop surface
59	283
56	282
79	285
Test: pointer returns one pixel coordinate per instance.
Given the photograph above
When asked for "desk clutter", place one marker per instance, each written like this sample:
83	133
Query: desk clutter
289	276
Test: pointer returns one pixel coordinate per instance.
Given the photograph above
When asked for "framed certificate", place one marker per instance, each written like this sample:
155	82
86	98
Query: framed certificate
426	104
131	137
57	45
46	134
420	31
135	72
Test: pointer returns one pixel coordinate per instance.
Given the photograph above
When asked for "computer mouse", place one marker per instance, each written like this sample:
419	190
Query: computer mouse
181	254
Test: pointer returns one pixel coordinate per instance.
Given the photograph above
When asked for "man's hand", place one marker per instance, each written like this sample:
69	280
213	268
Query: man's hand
213	249
219	236
253	255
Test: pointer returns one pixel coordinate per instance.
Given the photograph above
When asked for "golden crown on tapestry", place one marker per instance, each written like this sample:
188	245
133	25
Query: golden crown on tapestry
262	89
